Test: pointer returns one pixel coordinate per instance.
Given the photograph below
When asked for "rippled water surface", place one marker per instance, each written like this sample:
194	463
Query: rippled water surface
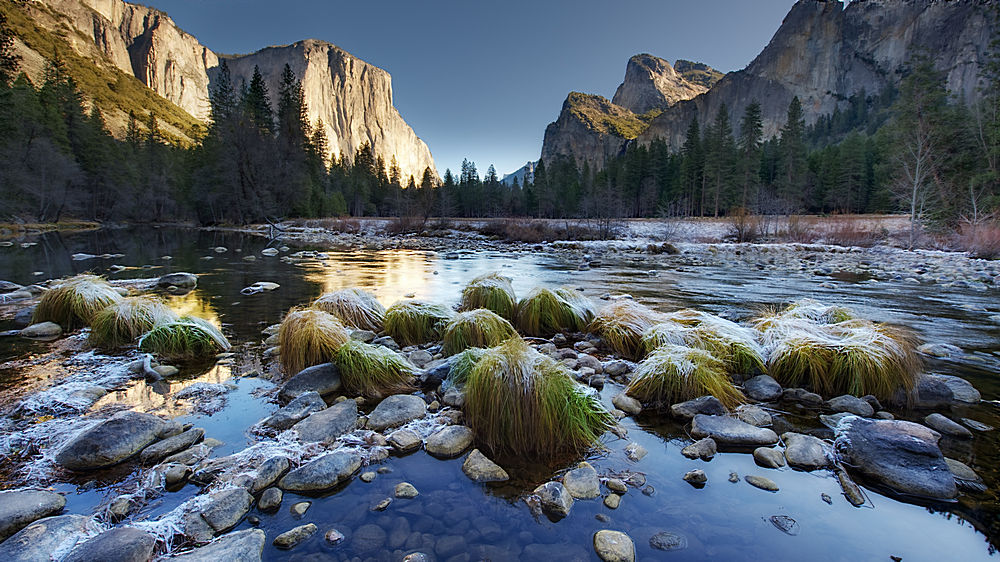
721	521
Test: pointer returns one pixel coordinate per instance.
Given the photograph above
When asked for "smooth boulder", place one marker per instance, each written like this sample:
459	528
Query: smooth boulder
244	546
555	499
731	432
934	391
20	508
762	388
804	452
322	473
945	426
171	445
323	379
851	404
111	441
708	405
479	468
43	537
614	546
180	280
329	424
120	544
295	411
396	410
42	330
900	455
582	482
226	509
449	442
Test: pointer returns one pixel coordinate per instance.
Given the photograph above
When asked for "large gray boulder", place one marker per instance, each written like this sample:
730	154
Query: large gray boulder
731	432
934	391
852	405
329	424
900	455
296	410
111	441
323	473
708	405
44	537
180	280
396	410
243	546
226	509
268	473
121	544
323	379
20	508
171	445
762	388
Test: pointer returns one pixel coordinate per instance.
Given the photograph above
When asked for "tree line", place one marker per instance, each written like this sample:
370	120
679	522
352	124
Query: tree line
913	148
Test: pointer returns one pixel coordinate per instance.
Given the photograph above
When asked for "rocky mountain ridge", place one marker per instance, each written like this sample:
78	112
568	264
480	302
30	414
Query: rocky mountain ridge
352	98
823	52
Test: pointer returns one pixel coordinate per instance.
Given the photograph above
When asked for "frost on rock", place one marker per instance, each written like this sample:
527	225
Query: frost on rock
91	375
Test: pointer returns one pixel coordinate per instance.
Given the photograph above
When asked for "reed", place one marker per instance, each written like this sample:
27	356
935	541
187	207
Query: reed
491	291
414	322
544	312
622	324
188	339
354	307
475	328
373	371
74	302
123	321
674	373
309	337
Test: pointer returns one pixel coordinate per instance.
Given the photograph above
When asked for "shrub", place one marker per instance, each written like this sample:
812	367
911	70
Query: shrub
674	373
373	370
187	339
518	401
121	322
622	324
491	291
414	322
476	328
354	307
309	337
75	302
544	312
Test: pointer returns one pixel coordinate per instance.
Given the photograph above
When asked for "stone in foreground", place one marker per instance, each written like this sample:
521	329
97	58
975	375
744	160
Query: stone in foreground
727	431
125	544
900	455
768	457
226	508
762	388
851	404
242	546
704	449
296	411
555	499
614	546
481	469
43	537
804	452
708	405
327	425
946	426
761	482
323	379
19	509
111	441
292	537
323	473
449	442
582	482
396	410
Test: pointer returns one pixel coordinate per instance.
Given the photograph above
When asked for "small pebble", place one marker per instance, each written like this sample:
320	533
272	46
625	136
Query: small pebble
382	505
334	537
734	478
367	476
612	501
299	509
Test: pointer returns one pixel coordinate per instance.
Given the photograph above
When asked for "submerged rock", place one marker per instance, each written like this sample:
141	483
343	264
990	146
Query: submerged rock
582	482
296	410
935	390
323	379
179	280
292	537
696	477
449	442
323	473
665	540
635	452
125	544
731	432
20	508
614	546
947	427
708	405
556	500
111	441
900	455
762	388
481	469
965	477
761	482
805	452
406	491
244	546
39	540
627	404
329	424
396	410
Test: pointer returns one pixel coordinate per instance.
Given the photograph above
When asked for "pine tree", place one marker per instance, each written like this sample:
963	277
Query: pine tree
257	103
792	182
749	145
692	167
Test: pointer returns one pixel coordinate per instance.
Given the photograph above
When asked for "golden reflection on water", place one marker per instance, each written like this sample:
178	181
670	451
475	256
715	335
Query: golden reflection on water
159	397
391	276
194	304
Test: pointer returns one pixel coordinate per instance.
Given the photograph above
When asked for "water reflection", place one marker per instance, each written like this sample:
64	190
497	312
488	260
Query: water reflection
161	397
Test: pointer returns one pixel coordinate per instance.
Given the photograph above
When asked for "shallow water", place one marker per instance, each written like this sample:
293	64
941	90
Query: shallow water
721	521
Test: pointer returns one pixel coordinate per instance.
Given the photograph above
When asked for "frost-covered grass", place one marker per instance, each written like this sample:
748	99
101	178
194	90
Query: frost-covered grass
121	322
354	307
674	373
544	312
74	302
476	328
373	370
622	324
491	291
413	322
188	339
738	346
309	337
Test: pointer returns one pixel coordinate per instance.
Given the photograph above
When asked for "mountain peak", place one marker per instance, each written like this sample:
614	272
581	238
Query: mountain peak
653	83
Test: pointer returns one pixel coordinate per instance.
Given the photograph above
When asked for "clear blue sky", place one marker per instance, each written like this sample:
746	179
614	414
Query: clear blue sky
481	80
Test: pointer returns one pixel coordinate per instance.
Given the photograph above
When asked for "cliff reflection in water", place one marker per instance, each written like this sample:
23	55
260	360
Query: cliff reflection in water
161	397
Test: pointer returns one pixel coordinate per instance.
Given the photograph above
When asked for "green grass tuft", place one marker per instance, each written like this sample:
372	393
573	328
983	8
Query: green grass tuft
309	337
75	302
462	364
518	401
544	312
120	323
373	371
414	322
736	345
354	307
491	291
187	339
622	324
476	328
674	373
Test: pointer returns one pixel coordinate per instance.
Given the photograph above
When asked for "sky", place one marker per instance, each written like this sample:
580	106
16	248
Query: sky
479	79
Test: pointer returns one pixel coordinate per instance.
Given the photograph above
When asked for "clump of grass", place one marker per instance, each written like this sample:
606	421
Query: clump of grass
354	307
675	373
74	302
121	322
414	322
622	324
475	328
188	339
309	337
736	345
462	364
491	291
518	401
373	370
544	312
805	309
